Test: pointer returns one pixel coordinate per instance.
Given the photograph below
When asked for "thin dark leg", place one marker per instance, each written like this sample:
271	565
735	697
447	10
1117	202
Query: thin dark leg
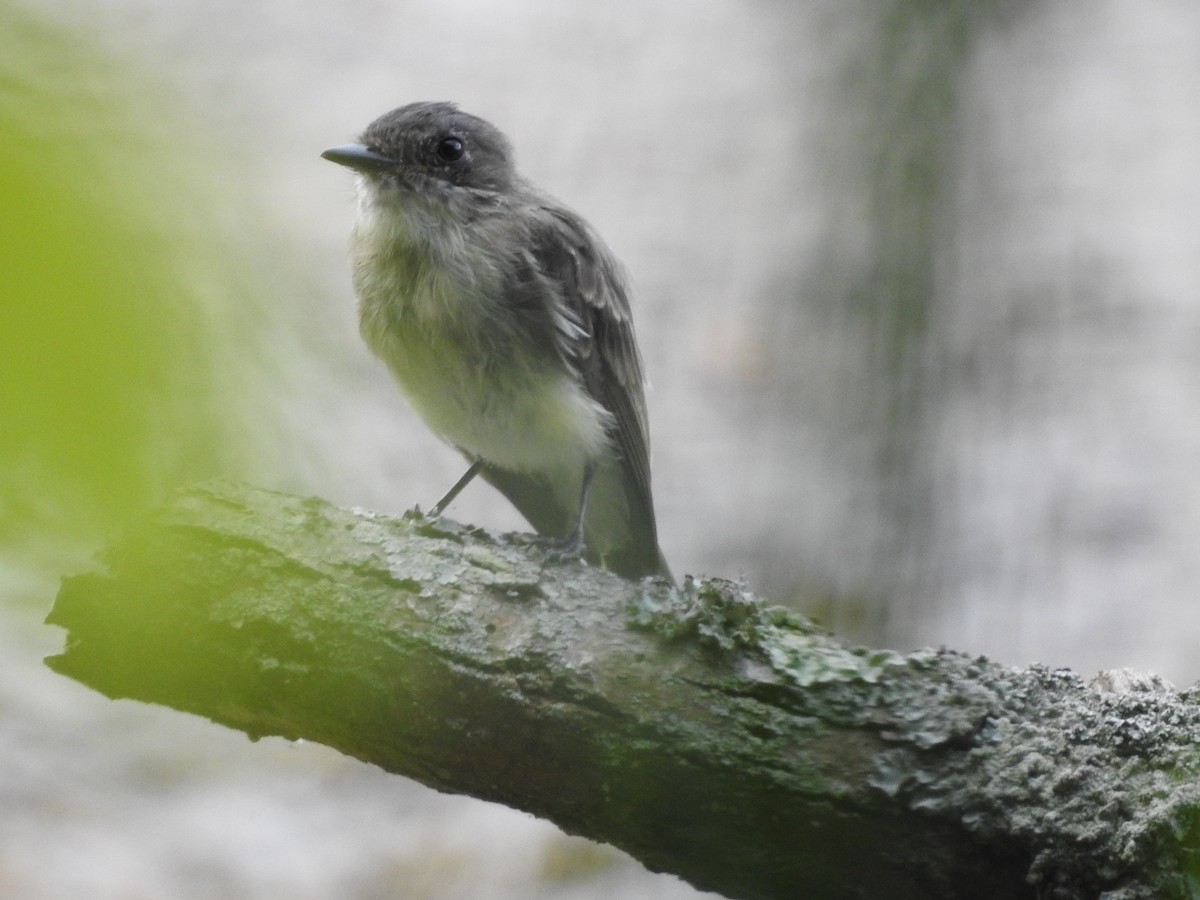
468	477
574	544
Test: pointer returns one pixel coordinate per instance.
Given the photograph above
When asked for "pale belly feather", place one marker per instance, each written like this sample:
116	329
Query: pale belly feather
517	418
433	324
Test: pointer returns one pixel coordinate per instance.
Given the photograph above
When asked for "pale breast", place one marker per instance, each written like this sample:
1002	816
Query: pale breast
478	383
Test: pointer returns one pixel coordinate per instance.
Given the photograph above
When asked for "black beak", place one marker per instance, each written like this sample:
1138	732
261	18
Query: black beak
359	158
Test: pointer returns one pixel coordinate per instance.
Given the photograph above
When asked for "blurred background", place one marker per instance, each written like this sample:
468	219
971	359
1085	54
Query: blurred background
915	284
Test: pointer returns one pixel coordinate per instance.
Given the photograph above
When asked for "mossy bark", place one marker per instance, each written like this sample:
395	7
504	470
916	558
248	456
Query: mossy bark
703	732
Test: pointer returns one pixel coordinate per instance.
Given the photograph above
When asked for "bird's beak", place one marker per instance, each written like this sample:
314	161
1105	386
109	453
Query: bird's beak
359	158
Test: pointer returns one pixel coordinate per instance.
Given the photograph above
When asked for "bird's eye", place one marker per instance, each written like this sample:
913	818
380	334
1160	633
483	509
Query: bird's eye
450	149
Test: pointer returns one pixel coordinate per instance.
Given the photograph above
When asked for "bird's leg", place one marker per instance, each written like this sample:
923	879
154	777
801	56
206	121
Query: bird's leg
572	545
468	477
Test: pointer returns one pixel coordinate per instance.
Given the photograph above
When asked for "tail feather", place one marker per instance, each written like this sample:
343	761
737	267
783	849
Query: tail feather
619	528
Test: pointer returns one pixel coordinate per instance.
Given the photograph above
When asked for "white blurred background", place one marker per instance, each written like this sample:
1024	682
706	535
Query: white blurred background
916	288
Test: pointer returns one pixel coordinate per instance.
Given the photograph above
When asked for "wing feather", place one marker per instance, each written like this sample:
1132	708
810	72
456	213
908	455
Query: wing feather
590	327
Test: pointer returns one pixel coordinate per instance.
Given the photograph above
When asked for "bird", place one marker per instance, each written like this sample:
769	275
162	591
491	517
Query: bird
505	321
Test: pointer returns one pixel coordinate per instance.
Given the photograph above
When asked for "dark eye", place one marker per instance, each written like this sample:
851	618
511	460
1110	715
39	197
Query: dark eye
450	149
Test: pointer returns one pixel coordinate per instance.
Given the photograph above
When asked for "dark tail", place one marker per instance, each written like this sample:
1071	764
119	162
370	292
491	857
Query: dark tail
619	529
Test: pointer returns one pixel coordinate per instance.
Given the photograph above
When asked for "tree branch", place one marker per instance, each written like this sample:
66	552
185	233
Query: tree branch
704	733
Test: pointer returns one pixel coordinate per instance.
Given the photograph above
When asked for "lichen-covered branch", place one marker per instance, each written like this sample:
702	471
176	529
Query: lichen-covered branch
703	732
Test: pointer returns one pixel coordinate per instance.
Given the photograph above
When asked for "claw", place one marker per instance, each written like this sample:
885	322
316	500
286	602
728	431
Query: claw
567	549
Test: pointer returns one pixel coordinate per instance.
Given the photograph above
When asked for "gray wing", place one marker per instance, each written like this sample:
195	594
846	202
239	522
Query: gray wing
593	288
592	333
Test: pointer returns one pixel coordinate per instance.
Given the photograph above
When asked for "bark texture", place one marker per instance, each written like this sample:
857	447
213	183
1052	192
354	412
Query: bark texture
705	733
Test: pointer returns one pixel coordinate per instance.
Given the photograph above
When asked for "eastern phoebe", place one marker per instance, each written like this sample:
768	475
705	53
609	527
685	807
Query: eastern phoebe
505	320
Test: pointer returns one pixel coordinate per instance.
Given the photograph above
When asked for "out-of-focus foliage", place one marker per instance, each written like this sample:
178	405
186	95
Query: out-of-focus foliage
106	394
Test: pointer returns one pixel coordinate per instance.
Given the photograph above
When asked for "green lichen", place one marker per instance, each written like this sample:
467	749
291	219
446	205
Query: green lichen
725	618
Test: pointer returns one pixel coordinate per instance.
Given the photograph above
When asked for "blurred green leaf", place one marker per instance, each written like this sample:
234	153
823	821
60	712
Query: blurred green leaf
106	389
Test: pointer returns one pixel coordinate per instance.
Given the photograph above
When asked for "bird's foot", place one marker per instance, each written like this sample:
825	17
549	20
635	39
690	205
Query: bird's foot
563	550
